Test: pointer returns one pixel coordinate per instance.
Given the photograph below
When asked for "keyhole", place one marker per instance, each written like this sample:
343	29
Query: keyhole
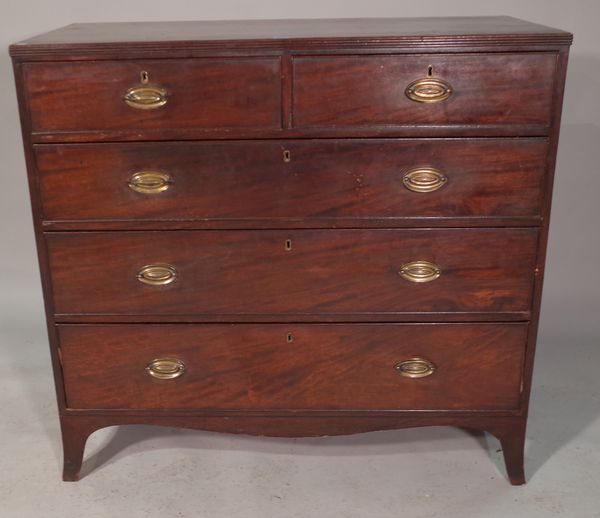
144	77
287	156
289	338
429	70
288	245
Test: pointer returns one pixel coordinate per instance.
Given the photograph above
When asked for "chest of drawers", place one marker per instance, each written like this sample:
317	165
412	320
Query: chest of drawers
293	228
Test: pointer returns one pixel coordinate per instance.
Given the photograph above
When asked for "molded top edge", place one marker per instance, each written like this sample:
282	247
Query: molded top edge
453	31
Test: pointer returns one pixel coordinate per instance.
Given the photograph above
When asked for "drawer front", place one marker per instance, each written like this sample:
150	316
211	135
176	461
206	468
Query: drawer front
275	272
197	93
371	90
318	180
296	367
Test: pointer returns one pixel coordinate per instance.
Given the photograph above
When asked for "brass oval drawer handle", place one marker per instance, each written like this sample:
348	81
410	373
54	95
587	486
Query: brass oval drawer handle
424	179
415	368
166	368
420	271
428	90
149	182
145	97
157	274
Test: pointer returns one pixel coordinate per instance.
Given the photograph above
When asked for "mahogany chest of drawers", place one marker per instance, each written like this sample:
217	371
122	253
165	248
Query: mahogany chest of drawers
293	228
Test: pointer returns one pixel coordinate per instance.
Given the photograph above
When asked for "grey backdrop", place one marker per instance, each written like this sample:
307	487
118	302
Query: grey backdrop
570	321
571	293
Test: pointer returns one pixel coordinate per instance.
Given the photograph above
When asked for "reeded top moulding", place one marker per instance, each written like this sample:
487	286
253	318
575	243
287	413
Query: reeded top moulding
97	40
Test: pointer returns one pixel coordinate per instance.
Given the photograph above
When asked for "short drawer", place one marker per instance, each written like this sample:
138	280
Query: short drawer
303	180
454	89
154	94
277	273
294	367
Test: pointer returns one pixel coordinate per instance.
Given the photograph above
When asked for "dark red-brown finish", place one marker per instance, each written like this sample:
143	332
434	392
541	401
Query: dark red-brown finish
219	93
325	272
250	90
294	367
466	31
338	181
370	90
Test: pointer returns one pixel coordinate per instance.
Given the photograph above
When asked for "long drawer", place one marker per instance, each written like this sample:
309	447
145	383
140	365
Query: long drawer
280	272
295	367
142	95
333	180
442	89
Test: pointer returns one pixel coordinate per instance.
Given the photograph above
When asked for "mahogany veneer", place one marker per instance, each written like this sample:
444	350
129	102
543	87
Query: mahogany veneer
293	228
256	367
60	94
244	183
325	272
367	90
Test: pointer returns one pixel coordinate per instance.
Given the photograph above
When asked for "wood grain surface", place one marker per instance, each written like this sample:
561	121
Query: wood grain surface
370	90
325	367
326	271
217	93
324	181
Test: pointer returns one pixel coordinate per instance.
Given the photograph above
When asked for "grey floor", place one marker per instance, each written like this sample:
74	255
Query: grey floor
143	471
